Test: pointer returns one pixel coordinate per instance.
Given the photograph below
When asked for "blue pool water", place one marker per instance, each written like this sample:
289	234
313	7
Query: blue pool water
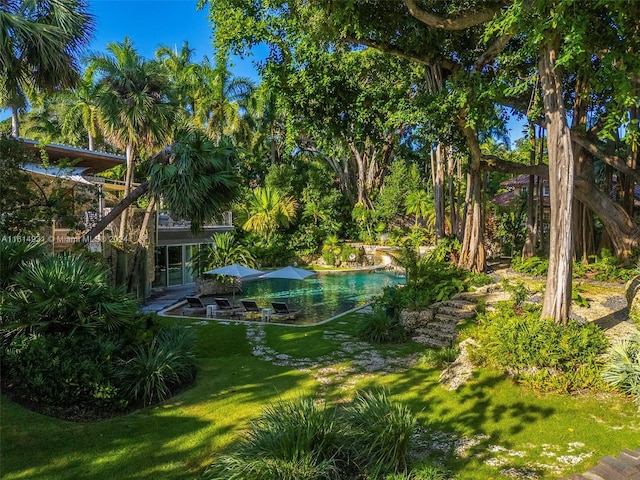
321	296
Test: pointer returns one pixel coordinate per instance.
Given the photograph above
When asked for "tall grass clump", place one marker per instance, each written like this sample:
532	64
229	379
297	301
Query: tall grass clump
303	440
289	440
155	371
540	353
380	327
380	434
622	366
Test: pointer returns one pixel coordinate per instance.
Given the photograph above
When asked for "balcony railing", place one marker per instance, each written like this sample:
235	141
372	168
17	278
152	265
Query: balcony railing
166	222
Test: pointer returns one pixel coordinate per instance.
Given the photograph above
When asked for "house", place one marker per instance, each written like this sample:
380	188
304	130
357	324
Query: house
171	240
517	189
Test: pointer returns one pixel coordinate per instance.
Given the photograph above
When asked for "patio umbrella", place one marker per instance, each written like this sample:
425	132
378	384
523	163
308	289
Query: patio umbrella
237	271
289	273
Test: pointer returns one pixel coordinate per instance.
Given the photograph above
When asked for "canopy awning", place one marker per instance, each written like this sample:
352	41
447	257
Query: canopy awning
71	174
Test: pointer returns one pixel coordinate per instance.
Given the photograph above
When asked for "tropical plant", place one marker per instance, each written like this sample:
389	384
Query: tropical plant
64	293
40	43
540	353
14	255
135	106
622	366
378	327
331	250
266	209
380	433
224	250
200	181
419	203
304	440
157	370
290	440
64	374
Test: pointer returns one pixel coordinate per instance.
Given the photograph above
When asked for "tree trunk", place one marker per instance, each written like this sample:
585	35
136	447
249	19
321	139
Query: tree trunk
115	212
557	298
438	192
529	248
454	214
127	188
583	218
472	253
15	122
91	142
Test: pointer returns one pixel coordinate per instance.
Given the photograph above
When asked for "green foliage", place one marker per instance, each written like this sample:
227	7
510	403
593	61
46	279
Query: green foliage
440	357
577	298
14	255
531	266
265	210
157	370
605	267
447	249
430	279
290	440
331	250
379	433
380	327
518	290
200	182
63	373
307	441
225	250
541	353
429	472
64	293
622	366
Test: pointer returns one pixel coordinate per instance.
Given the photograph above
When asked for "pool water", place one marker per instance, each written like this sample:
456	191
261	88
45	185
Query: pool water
322	296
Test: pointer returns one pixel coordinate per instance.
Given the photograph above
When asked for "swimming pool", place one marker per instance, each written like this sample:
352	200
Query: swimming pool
322	296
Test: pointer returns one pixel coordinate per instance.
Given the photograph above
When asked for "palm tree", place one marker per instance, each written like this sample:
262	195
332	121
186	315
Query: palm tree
225	250
267	209
81	114
419	203
134	104
221	99
183	73
39	43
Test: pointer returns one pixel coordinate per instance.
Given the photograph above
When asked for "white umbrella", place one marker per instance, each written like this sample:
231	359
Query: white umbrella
289	273
237	271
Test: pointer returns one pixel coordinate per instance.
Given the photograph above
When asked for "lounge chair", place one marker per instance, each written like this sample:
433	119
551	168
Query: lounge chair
251	308
225	306
282	310
194	306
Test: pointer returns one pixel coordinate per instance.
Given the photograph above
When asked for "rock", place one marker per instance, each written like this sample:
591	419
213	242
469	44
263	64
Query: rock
461	369
632	289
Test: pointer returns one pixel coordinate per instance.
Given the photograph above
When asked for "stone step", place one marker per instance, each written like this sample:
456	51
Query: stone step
444	318
459	304
455	312
430	342
439	327
444	336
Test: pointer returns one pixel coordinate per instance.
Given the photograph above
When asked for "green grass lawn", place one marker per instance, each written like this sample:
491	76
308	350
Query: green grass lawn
495	424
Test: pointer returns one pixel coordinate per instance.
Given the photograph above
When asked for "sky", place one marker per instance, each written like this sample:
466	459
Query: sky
153	23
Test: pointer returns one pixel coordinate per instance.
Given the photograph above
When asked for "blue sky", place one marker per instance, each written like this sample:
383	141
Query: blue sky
152	23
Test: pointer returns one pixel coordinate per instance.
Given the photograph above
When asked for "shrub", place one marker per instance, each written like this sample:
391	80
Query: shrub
379	327
290	440
157	370
531	266
72	373
14	255
380	433
302	440
541	353
622	366
64	293
439	357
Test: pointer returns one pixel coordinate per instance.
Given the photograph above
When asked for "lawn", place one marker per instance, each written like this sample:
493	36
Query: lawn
484	428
